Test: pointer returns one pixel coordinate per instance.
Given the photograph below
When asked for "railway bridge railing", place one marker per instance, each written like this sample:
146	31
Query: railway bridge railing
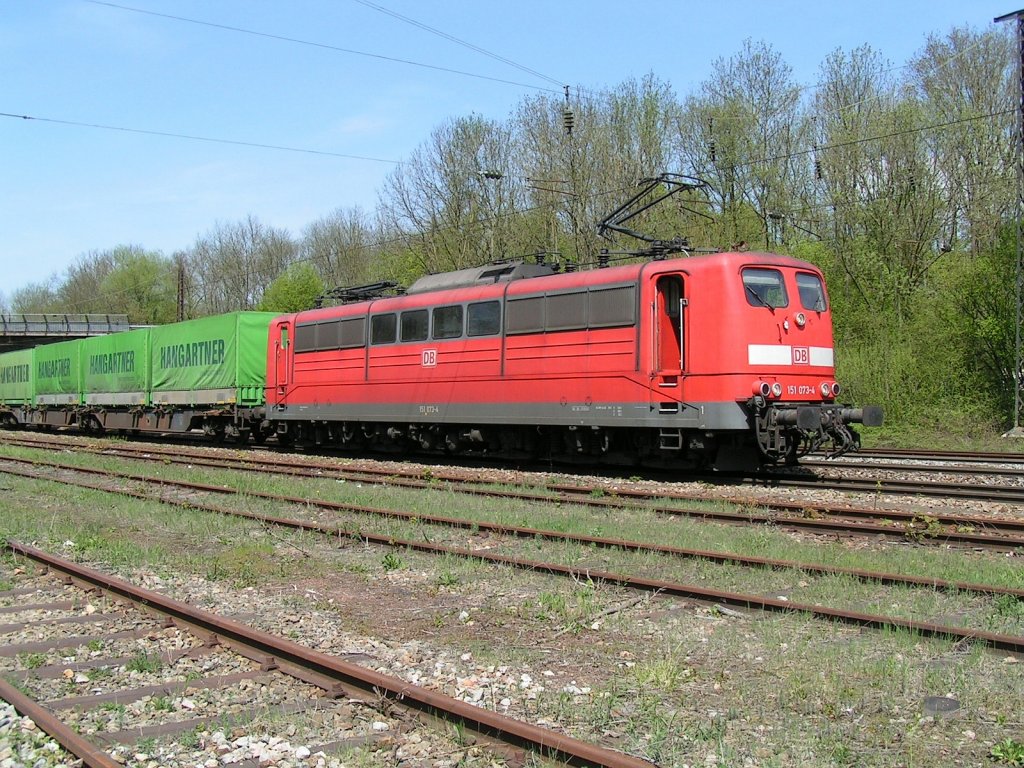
61	324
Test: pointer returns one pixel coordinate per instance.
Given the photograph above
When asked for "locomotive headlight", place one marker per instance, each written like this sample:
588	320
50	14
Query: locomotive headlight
826	389
801	319
762	388
836	389
776	389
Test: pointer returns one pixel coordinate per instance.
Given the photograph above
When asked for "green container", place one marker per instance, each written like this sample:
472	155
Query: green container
217	360
58	373
115	368
16	377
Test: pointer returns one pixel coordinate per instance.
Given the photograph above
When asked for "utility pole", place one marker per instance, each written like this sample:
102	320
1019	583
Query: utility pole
180	314
1018	363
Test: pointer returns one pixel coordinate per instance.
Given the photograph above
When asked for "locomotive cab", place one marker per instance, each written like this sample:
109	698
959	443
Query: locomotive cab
793	397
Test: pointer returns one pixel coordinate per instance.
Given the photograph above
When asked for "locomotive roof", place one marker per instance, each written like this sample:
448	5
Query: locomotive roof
486	275
518	272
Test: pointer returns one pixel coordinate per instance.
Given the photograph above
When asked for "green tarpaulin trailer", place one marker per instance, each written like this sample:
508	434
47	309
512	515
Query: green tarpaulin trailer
16	377
218	360
58	373
115	368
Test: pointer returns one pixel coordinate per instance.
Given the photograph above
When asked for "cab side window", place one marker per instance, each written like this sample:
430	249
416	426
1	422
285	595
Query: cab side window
812	292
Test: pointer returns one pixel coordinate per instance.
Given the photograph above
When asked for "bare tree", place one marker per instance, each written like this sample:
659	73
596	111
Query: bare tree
229	268
582	157
453	200
343	247
965	81
747	135
36	297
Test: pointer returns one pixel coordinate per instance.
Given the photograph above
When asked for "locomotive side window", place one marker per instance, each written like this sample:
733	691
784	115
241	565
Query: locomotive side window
764	288
610	307
383	329
483	319
414	325
305	337
525	315
567	311
812	292
327	335
352	333
447	322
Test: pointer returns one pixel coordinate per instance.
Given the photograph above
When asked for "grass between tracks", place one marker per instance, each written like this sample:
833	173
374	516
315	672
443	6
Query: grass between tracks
662	678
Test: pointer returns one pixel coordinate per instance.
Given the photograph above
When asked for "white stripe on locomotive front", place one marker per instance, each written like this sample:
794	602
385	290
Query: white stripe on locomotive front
782	354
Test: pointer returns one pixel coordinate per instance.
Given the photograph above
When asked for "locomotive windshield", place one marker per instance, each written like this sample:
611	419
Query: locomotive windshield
812	292
765	287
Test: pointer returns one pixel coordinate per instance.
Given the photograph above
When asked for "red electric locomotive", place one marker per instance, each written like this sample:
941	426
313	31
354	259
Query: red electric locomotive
722	360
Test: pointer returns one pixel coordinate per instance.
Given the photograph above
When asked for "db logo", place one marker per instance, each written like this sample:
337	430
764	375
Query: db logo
801	356
429	358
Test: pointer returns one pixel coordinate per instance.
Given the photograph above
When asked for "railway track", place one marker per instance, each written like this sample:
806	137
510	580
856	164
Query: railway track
536	533
420	603
933	527
311	679
962	468
747	601
911	454
887	485
828	477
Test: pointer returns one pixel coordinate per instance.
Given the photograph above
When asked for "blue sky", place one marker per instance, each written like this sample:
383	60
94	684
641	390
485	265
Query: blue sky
66	190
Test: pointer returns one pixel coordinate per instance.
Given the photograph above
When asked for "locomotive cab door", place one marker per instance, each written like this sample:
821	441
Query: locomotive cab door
667	330
281	366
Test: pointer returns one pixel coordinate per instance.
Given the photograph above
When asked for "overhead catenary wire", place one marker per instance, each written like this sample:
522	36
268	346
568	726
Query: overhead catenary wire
192	137
465	44
324	46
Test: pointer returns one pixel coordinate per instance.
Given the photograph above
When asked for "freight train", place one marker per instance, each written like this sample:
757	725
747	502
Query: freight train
723	360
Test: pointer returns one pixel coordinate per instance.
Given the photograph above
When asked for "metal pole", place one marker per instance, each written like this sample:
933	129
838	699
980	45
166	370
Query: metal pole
180	314
1018	363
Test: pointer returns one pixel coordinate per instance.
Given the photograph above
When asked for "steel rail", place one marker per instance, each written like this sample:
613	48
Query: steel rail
1011	643
923	453
280	651
880	577
967	530
90	754
1000	493
925	469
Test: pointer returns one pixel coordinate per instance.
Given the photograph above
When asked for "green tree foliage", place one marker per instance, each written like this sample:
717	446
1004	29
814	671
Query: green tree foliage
124	280
295	290
143	285
36	297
